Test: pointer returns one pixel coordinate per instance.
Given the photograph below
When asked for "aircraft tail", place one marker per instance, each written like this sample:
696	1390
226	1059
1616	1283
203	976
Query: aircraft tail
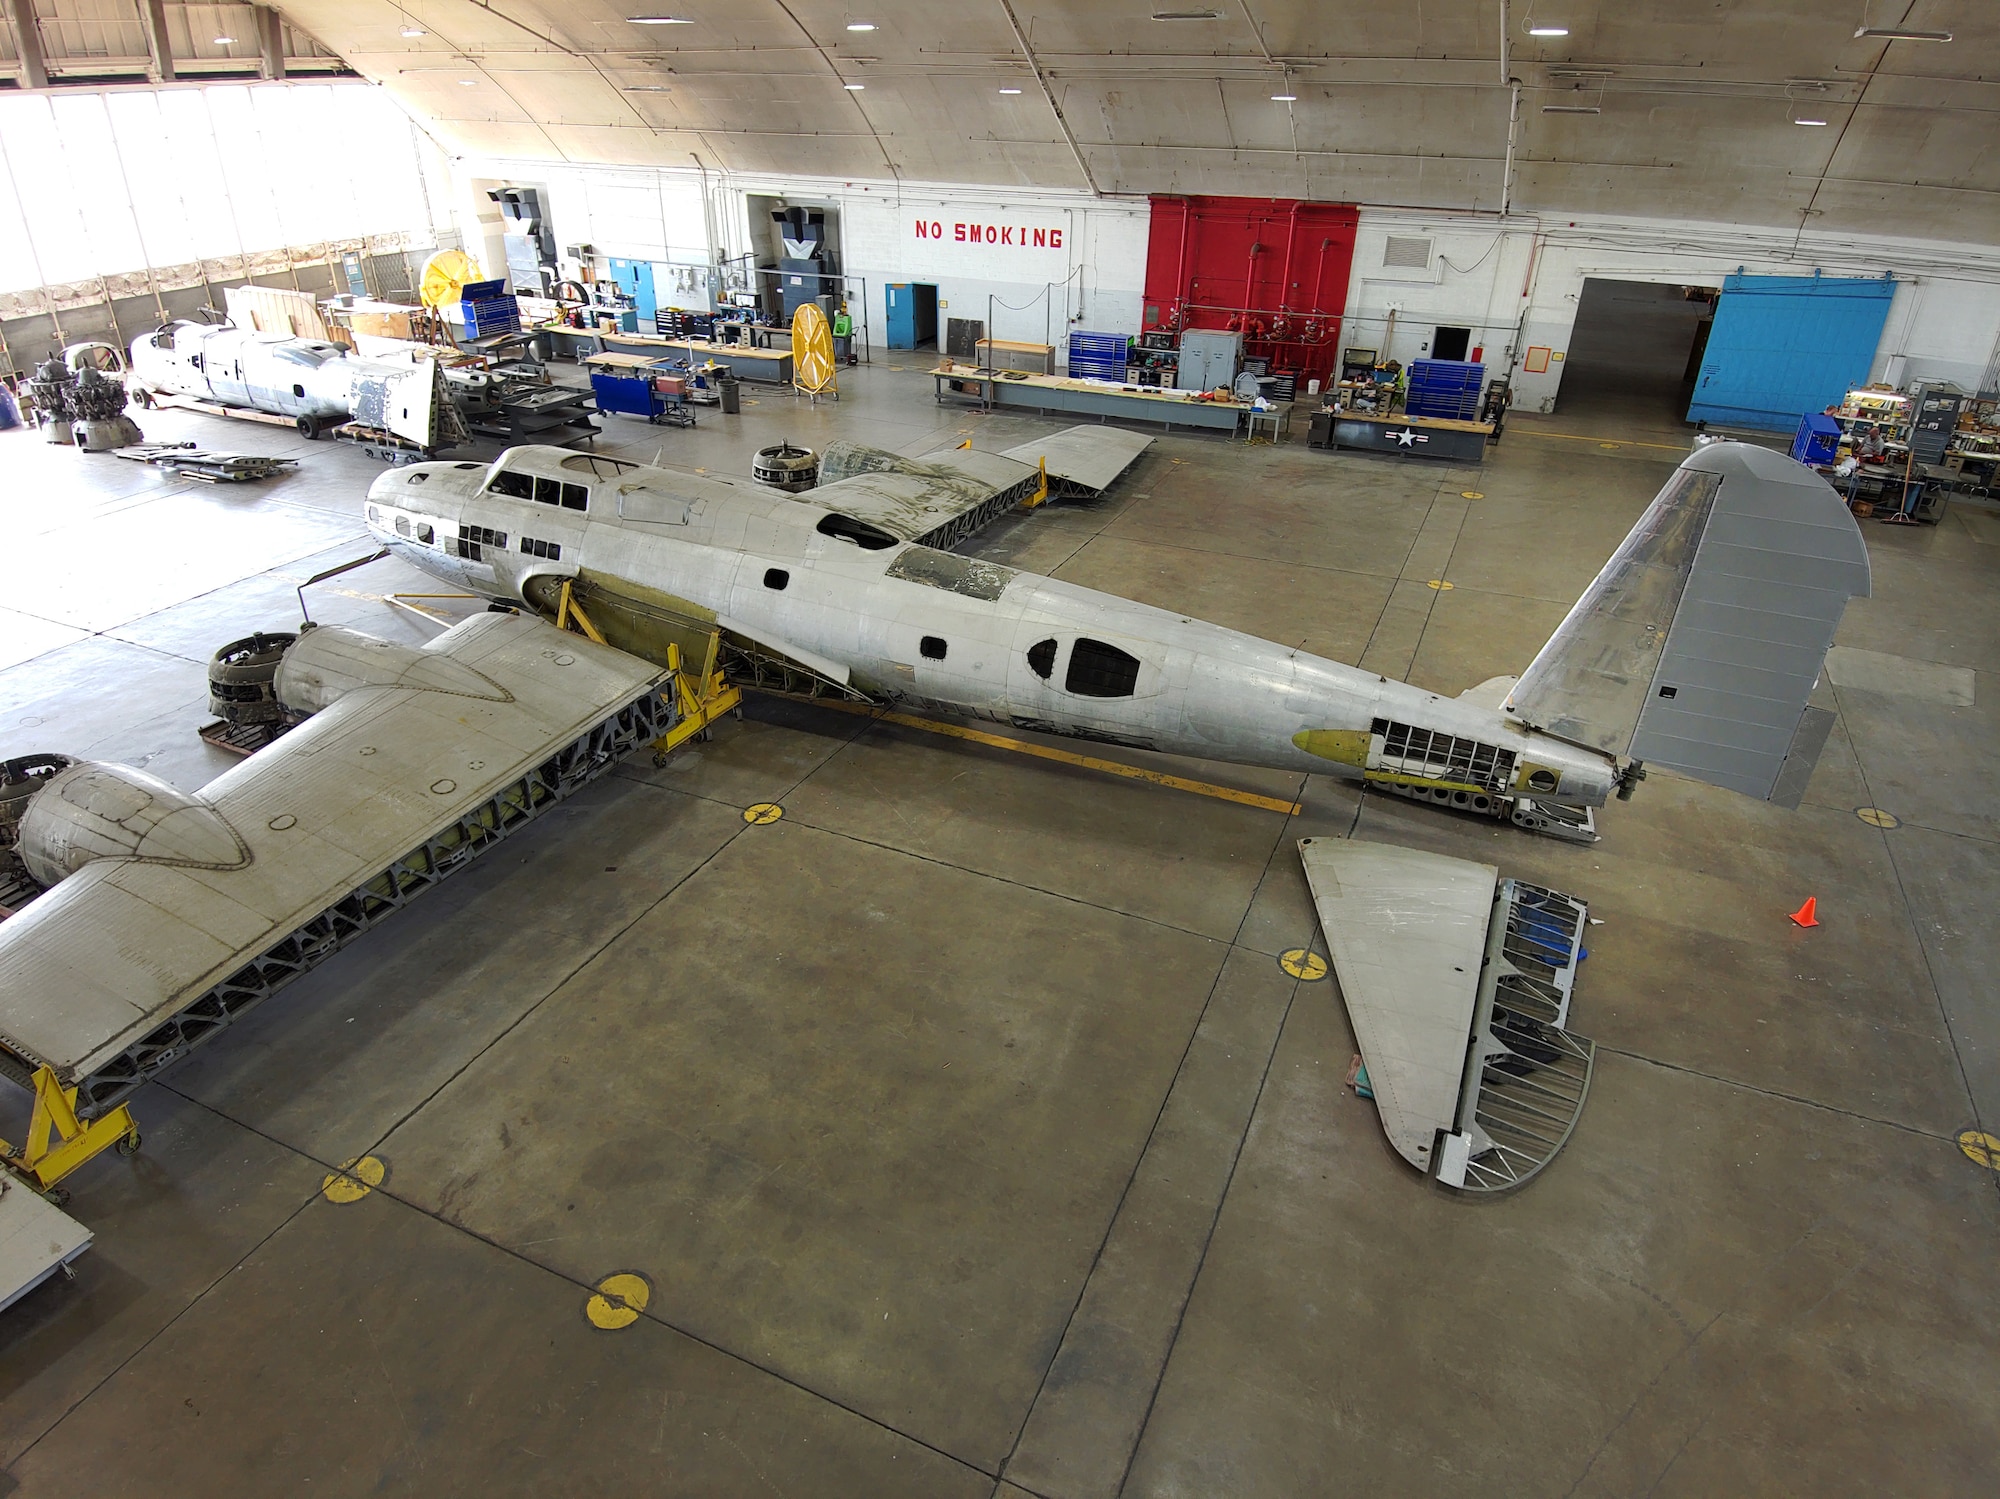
1699	644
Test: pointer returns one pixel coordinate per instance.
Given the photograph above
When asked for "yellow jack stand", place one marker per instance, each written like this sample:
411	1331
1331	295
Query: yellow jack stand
1040	496
76	1142
570	616
699	707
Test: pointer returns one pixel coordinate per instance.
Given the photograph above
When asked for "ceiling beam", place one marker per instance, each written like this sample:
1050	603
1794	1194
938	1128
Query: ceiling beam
1049	94
154	15
270	42
34	68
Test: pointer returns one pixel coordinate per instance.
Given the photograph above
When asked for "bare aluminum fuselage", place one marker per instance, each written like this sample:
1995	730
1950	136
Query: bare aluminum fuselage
758	563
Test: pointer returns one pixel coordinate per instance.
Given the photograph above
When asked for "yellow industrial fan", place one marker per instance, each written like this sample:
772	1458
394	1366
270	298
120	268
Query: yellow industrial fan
812	353
445	277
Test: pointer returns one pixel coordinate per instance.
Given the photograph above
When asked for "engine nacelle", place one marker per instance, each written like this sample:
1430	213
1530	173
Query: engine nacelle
89	811
327	662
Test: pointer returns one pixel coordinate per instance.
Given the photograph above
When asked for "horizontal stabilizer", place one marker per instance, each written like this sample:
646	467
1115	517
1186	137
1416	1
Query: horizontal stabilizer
1457	983
1698	645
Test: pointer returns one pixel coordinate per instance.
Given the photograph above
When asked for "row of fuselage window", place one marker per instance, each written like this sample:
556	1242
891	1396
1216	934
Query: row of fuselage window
472	541
1096	667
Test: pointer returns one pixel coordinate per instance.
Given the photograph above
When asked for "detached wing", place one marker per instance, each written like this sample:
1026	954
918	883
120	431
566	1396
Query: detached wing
117	970
941	499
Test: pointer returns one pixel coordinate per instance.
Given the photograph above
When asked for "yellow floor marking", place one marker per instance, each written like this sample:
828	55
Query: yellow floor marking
763	813
1611	447
1440	585
1670	447
1303	963
1472	494
1875	817
618	1301
1067	757
1980	1148
355	1180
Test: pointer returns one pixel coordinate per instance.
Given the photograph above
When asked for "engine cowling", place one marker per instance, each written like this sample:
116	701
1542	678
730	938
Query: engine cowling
92	811
327	662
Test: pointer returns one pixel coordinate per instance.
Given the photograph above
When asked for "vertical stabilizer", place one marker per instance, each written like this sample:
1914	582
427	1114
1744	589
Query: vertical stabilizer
1698	645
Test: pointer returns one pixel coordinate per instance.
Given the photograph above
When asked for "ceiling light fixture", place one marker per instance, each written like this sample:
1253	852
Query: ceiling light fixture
1548	31
1284	98
659	21
1187	15
413	31
1901	34
468	83
225	41
860	25
854	88
1010	91
1800	120
1571	109
647	88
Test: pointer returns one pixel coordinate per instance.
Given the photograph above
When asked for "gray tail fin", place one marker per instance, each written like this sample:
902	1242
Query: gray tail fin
1699	644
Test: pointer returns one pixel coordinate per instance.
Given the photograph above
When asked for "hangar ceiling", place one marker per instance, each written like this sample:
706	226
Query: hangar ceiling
1693	109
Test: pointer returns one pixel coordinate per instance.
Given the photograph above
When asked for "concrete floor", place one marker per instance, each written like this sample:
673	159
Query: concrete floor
967	1130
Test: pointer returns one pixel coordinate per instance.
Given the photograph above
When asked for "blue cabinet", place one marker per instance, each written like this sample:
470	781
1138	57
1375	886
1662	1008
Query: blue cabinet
1783	346
1444	387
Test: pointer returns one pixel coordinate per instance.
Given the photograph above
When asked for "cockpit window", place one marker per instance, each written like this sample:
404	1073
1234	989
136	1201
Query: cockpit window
514	486
1042	657
590	463
1100	670
847	528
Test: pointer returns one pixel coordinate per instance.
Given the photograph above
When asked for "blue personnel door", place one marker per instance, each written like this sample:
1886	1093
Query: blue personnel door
901	304
1783	346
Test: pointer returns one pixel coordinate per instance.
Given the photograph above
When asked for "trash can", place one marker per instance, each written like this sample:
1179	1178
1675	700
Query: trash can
732	400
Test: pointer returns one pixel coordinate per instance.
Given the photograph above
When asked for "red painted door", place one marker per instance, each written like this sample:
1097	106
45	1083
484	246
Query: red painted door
1274	268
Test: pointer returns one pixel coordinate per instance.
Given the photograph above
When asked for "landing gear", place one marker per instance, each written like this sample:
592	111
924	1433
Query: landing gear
309	428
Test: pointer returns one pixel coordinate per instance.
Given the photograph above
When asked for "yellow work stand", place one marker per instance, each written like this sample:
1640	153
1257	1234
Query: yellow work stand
699	707
44	1163
701	698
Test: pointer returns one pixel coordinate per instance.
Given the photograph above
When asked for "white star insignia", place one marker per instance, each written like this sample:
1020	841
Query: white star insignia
1406	437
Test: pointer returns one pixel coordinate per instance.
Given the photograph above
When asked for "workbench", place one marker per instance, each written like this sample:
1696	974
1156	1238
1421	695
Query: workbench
990	388
1409	436
1045	353
772	366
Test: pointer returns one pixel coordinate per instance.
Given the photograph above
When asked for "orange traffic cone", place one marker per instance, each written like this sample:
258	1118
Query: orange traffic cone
1806	915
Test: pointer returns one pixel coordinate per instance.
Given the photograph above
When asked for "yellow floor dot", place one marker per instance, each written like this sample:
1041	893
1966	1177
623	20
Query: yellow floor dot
1472	494
1440	585
354	1180
618	1301
1303	963
1980	1148
762	813
1875	817
1610	446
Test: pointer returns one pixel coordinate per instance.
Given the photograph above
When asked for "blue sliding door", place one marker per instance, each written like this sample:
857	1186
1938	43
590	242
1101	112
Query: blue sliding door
1783	346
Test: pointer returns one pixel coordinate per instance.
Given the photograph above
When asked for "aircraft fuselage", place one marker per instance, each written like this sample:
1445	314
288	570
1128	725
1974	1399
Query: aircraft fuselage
940	632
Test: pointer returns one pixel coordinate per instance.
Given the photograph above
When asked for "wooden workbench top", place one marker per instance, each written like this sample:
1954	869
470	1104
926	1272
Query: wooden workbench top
1014	346
685	345
1096	387
1443	423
